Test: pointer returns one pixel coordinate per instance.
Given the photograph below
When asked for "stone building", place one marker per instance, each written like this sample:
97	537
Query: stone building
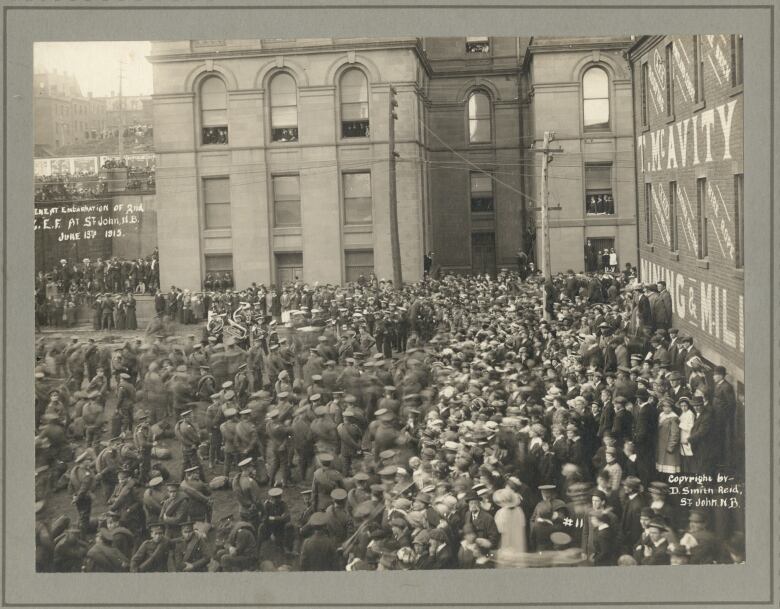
580	88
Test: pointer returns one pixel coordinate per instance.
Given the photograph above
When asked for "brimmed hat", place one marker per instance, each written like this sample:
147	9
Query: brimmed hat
506	497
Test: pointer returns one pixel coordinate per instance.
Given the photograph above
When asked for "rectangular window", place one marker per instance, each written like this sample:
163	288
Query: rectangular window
289	268
649	213
216	200
357	198
670	79
701	211
644	94
739	221
481	193
598	190
737	65
673	216
287	201
219	263
477	44
698	69
357	263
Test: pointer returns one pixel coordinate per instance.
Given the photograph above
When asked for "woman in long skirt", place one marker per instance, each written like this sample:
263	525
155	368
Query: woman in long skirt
132	320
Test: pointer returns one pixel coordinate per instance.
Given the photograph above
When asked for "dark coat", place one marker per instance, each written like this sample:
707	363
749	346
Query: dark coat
703	441
318	553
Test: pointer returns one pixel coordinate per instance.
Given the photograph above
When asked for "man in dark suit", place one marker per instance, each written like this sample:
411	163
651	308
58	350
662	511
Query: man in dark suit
703	439
654	548
630	526
724	408
644	433
623	422
189	553
481	521
605	542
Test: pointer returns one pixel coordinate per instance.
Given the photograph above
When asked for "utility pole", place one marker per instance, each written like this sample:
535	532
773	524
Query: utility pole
549	136
395	243
121	111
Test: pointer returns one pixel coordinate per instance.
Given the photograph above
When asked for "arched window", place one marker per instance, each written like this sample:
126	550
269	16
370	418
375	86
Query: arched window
479	118
595	99
354	104
284	109
213	111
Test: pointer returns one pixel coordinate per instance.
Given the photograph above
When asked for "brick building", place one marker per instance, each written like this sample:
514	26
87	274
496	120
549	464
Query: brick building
580	88
688	121
63	116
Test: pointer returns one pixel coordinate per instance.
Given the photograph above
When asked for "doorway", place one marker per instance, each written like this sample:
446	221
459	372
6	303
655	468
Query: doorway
594	251
483	254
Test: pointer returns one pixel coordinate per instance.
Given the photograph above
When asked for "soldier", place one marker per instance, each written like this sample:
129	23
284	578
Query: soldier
187	432
174	509
214	419
69	551
91	415
142	439
207	384
324	431
318	552
247	441
302	439
107	466
241	386
340	523
152	556
276	519
325	479
240	553
278	432
102	557
81	485
228	432
350	436
199	494
189	553
247	493
153	499
125	502
125	394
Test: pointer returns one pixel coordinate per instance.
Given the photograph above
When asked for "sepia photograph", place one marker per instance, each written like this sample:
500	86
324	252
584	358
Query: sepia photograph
389	303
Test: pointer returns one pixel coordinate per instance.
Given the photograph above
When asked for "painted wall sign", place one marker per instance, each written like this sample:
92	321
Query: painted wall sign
703	305
93	220
703	138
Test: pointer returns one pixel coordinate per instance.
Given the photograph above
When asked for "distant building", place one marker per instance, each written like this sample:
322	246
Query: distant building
688	120
129	110
580	88
63	116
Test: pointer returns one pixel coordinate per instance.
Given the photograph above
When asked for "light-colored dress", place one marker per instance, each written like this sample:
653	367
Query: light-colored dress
510	522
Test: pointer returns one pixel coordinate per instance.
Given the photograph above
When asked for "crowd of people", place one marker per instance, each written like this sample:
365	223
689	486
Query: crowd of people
107	287
68	186
462	422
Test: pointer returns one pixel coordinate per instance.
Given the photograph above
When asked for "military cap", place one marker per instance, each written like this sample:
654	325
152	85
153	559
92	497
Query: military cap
155	482
389	388
275	492
546	487
450	445
321	411
338	494
388	471
192	469
316	377
81	457
242	367
306	492
273	347
245	411
380	412
273	413
227	384
363	509
283	395
231	412
40	375
124	375
230	394
325	458
388	454
315	397
186	413
318	519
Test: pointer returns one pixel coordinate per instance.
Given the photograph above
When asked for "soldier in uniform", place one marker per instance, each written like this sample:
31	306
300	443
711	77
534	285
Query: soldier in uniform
152	556
153	499
207	384
247	441
340	524
278	434
324	481
228	432
125	394
199	495
350	436
142	438
241	386
188	434
69	551
276	519
214	419
91	415
125	502
318	552
81	485
247	493
103	557
240	553
189	553
107	465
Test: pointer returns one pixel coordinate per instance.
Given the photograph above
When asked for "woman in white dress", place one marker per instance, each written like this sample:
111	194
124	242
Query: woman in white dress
510	521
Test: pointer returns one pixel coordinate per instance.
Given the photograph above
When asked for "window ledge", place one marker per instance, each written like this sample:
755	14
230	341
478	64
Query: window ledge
739	273
287	230
357	140
674	256
650	247
699	105
645	128
216	232
669	118
736	90
358	228
702	263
